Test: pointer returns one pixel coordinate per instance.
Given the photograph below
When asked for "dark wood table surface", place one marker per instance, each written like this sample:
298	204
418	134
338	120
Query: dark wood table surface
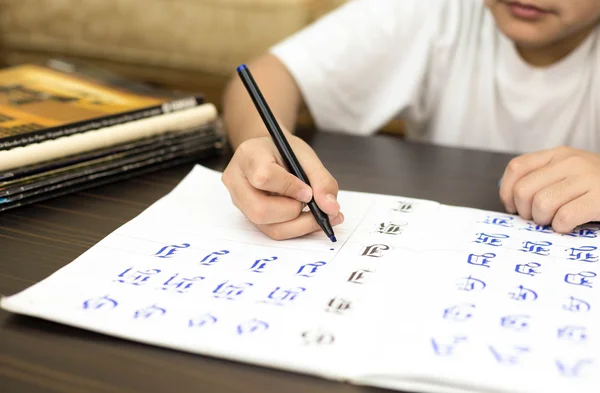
36	240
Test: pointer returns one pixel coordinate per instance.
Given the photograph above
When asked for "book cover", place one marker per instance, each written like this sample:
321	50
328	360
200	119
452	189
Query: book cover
39	103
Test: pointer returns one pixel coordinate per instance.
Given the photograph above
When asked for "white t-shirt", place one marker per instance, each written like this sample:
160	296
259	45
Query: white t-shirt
446	69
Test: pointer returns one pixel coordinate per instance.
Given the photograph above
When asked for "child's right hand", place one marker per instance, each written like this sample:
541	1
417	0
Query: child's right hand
271	197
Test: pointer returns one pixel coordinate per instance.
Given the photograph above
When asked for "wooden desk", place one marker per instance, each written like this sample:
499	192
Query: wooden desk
37	240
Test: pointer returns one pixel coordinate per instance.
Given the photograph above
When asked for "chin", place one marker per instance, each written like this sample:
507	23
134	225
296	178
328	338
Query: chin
526	35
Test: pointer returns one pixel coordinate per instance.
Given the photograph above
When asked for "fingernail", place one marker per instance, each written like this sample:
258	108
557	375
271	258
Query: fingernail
305	195
331	198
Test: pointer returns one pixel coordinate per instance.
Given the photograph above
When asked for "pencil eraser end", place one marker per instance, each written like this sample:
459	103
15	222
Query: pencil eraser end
242	67
332	238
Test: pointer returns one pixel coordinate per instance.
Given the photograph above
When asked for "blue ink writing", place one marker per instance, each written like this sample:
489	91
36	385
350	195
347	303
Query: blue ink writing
310	269
492	240
508	357
445	348
538	248
101	302
538	228
168	251
572	370
281	296
518	323
583	254
260	264
149	311
576	305
503	221
528	269
523	294
576	334
469	284
203	320
481	260
581	279
138	277
230	291
213	257
252	326
181	285
459	313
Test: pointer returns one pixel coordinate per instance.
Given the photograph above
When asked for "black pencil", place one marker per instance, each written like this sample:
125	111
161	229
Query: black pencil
287	154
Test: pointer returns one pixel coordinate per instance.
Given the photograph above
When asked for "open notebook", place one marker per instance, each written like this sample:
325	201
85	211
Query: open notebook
414	296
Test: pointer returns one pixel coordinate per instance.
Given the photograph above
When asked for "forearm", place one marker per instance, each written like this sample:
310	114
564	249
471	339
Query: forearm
241	118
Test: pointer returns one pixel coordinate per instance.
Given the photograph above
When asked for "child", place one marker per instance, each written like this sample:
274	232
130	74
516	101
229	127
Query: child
520	77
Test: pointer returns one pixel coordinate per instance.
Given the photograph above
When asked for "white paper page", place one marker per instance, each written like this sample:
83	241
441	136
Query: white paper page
192	273
494	304
383	306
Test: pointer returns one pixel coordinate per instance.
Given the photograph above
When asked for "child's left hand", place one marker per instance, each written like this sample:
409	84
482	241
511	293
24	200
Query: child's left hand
558	187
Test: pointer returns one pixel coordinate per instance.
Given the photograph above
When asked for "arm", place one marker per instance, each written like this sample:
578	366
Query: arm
240	117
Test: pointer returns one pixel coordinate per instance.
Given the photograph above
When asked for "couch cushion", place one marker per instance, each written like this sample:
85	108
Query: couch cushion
205	35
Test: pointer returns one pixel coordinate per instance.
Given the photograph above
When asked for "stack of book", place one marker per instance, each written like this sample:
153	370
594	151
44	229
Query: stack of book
66	127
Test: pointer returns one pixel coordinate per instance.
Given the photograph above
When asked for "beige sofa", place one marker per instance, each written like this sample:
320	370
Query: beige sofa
184	44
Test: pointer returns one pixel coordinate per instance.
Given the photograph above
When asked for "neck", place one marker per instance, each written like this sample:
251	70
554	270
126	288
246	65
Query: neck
550	54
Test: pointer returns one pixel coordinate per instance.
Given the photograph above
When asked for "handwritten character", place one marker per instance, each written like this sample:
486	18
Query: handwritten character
260	264
469	284
169	251
310	269
230	291
531	227
101	302
251	326
213	257
137	277
582	279
518	323
502	221
459	313
390	228
149	311
491	240
510	356
538	248
573	370
281	296
375	250
338	305
317	337
481	260
576	305
181	285
358	276
583	254
523	294
572	333
203	320
447	347
528	269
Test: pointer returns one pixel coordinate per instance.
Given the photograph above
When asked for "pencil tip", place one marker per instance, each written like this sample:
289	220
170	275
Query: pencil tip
332	238
241	67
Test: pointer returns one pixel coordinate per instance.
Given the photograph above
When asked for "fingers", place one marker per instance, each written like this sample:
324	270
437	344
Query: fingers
260	207
547	202
520	167
264	173
577	212
324	186
529	187
302	225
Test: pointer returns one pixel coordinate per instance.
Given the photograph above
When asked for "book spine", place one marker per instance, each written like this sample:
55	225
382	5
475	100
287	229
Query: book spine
108	136
51	133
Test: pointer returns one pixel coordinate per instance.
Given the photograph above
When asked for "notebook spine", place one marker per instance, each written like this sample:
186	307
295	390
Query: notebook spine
11	142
